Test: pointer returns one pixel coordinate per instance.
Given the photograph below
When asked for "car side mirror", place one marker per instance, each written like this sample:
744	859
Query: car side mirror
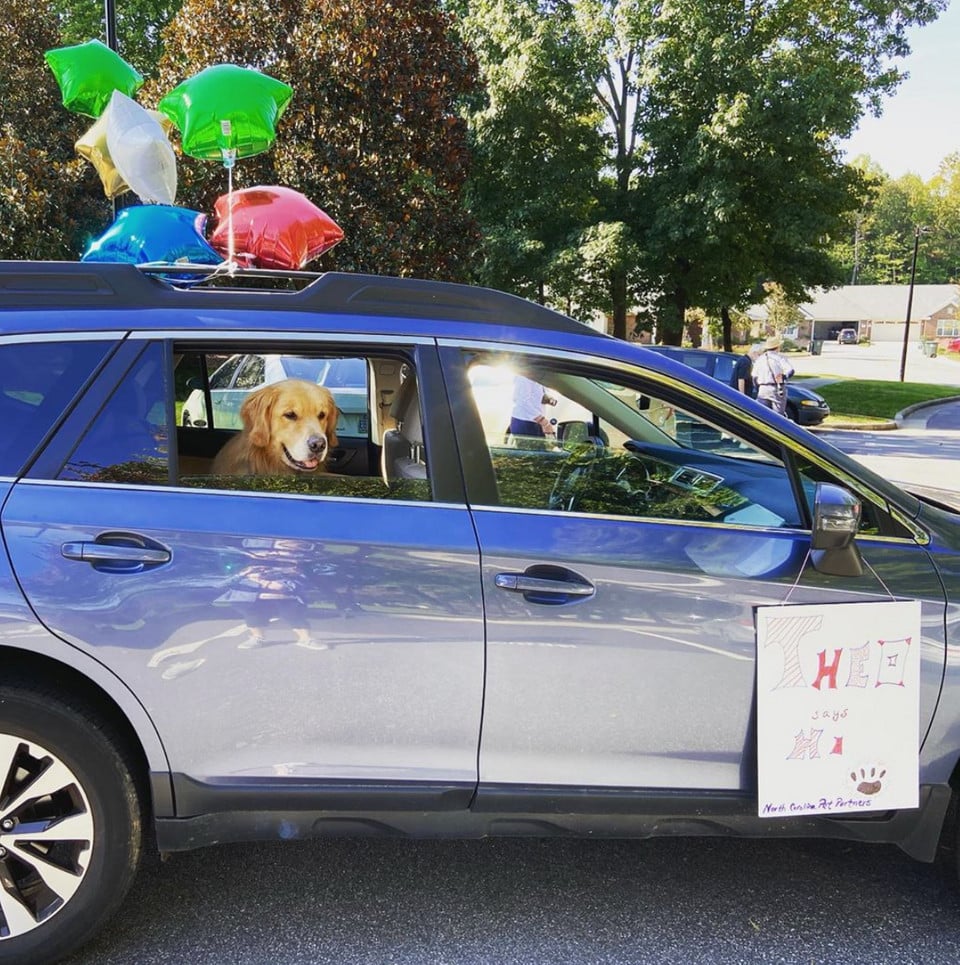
576	433
573	432
195	382
836	520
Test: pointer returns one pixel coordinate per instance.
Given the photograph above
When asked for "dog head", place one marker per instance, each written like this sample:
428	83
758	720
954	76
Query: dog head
293	421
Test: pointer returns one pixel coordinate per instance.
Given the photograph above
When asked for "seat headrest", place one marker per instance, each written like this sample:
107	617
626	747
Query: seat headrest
408	389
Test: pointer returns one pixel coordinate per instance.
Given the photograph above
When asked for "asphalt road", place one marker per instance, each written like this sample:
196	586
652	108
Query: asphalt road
505	901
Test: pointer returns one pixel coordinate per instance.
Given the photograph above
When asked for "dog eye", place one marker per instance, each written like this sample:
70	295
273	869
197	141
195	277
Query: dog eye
321	415
292	416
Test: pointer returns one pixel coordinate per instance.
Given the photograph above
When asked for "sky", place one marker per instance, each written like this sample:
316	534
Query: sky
920	124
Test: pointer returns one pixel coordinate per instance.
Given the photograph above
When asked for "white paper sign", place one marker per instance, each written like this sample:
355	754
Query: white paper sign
838	708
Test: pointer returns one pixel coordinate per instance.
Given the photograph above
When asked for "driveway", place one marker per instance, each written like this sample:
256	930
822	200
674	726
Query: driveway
880	361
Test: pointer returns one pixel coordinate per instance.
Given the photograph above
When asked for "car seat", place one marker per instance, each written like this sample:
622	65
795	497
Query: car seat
403	455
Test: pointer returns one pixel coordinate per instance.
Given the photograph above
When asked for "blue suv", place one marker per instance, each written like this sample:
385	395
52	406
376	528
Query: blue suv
662	608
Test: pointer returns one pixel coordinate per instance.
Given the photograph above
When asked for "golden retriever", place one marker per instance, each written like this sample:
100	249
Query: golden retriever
288	428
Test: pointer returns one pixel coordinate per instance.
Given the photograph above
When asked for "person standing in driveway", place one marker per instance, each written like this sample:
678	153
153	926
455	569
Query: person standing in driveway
786	372
768	376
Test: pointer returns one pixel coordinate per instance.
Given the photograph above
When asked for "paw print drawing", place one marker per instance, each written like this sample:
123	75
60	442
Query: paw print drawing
867	783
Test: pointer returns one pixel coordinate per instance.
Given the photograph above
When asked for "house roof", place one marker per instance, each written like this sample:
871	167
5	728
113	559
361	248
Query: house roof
880	303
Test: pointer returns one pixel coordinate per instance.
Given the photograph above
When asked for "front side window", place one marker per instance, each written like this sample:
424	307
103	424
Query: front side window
613	448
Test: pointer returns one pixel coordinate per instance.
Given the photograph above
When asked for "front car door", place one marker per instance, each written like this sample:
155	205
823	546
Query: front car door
622	567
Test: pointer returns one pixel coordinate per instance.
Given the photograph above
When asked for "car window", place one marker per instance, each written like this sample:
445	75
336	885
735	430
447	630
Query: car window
700	362
128	440
724	368
38	380
224	374
312	370
875	518
616	448
345	377
250	375
376	454
345	373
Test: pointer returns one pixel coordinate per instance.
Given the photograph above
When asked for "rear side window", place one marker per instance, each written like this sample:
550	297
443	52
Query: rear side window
38	380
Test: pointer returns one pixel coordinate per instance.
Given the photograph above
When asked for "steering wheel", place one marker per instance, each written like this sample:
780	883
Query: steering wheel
617	483
577	468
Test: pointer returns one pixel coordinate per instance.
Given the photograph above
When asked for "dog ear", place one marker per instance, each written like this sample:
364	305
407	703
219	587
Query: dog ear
255	413
332	419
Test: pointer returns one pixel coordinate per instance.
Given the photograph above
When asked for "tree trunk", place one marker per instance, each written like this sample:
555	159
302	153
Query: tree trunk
619	296
670	325
727	324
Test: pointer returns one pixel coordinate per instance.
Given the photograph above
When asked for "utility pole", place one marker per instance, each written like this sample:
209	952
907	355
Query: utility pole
913	274
110	19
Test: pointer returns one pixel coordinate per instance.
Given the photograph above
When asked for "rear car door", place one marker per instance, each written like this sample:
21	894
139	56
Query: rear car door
622	568
318	639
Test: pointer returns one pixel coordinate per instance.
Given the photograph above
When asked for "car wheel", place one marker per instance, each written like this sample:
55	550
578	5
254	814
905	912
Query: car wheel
70	826
185	419
792	414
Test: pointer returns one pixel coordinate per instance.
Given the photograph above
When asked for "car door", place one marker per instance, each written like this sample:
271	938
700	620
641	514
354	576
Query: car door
326	643
621	574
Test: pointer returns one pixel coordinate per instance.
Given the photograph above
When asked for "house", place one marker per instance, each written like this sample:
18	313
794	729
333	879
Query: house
877	312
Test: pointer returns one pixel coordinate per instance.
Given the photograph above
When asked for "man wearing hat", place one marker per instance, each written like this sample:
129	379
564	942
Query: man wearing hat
770	373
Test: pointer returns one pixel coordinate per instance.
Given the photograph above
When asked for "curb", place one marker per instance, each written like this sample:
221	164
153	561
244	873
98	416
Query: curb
884	426
917	406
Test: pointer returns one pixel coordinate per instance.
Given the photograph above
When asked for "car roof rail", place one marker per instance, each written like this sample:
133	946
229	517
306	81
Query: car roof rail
51	285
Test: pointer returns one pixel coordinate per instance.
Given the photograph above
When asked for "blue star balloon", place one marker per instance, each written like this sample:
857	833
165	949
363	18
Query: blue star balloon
154	233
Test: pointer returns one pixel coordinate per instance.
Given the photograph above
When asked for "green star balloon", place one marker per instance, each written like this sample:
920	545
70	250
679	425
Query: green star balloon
89	73
226	111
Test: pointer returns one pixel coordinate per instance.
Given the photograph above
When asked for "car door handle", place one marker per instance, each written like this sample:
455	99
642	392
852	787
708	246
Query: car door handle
105	553
117	551
521	583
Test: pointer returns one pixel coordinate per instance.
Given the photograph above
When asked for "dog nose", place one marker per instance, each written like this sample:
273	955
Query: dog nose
316	444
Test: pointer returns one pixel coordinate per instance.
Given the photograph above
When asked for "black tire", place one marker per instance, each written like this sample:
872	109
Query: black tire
48	744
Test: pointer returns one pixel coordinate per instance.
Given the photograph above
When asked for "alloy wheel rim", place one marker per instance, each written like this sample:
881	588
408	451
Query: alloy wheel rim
46	835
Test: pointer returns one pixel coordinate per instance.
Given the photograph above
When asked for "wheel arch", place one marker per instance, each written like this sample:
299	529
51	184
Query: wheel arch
102	695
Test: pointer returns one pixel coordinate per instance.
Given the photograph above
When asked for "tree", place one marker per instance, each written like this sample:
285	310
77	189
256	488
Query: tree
536	148
51	202
371	135
882	230
721	124
138	23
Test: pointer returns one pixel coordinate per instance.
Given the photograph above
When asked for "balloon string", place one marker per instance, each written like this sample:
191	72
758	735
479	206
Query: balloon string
230	244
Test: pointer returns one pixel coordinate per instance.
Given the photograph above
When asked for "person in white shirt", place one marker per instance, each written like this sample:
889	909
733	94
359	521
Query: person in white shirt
769	375
527	418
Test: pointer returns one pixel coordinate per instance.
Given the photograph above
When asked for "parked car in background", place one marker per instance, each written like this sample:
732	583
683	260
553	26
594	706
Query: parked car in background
848	336
804	406
684	615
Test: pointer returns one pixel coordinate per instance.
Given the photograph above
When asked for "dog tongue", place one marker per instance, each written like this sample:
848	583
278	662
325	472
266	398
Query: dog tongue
310	463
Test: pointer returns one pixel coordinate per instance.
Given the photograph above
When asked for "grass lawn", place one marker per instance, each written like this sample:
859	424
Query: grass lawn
880	400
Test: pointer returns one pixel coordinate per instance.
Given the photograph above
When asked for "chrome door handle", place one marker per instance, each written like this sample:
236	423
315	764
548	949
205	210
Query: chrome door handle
110	553
117	552
520	583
